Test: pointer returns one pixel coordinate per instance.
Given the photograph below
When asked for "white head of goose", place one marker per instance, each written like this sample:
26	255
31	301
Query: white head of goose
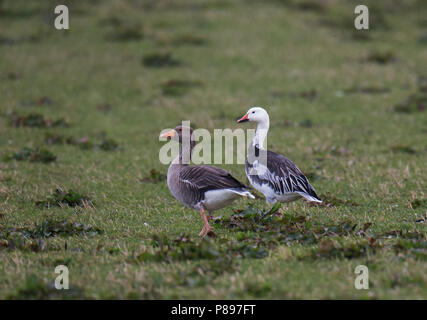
204	188
278	178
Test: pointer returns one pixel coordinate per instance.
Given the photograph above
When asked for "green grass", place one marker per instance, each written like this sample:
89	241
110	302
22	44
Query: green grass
331	94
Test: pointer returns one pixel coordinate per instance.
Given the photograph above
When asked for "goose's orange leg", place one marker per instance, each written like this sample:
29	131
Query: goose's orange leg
207	229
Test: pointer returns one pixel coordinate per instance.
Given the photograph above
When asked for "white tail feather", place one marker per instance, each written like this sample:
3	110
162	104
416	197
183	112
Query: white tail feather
244	193
309	198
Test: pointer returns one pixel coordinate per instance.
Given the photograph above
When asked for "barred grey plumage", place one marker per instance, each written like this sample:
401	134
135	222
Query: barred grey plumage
274	175
282	176
189	184
201	187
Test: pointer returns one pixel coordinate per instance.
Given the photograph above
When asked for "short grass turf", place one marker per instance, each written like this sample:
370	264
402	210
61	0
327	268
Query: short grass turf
348	107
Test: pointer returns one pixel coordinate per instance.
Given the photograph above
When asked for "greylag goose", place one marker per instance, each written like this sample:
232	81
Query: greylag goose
204	188
280	179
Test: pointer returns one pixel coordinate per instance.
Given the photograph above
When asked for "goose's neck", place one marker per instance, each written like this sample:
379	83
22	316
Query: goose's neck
261	133
184	156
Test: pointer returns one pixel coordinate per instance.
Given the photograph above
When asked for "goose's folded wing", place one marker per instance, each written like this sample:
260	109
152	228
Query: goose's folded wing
205	178
281	175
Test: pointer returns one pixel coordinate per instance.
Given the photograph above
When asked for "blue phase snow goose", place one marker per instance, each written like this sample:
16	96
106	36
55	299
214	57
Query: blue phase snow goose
275	176
204	188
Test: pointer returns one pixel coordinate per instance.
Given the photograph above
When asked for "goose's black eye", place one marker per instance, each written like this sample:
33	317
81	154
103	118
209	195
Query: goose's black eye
253	111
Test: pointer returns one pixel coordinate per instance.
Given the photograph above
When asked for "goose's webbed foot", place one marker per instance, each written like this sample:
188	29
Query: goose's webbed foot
207	230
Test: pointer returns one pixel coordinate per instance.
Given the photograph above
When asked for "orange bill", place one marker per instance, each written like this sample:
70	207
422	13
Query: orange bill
168	134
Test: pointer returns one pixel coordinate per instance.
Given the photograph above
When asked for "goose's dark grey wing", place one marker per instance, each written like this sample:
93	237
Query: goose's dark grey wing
282	176
192	182
206	178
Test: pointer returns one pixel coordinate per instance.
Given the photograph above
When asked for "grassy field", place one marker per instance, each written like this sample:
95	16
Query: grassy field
82	109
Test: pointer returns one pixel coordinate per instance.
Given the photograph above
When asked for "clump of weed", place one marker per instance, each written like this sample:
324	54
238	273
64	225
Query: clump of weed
12	76
423	40
159	60
31	239
35	120
403	149
188	39
84	143
313	176
154	176
330	249
18	241
327	151
339	151
40	101
345	228
126	30
178	249
257	289
367	90
31	120
7	41
416	248
401	234
289	123
61	198
412	243
306	5
419	203
342	21
52	228
309	94
176	87
184	248
205	272
104	107
416	102
312	5
422	84
269	231
53	138
32	155
360	35
250	219
108	144
381	57
305	123
35	288
121	24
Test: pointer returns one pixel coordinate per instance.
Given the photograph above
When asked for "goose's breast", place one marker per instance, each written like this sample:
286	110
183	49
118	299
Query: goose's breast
264	188
181	192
